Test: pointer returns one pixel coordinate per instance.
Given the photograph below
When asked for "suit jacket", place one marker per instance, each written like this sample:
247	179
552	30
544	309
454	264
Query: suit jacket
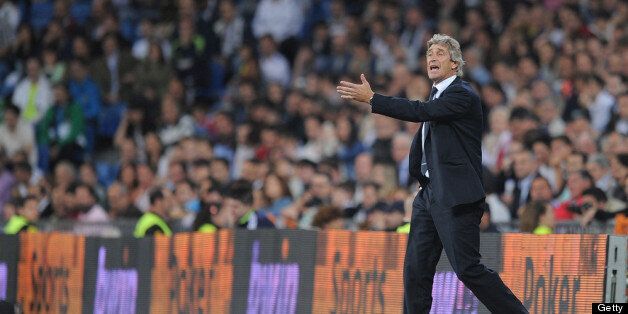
453	150
102	76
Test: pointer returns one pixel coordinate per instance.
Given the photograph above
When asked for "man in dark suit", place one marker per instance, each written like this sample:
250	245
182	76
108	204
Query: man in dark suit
447	210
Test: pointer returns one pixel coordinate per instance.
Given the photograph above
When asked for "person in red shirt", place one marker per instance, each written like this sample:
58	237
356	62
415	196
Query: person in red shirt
577	183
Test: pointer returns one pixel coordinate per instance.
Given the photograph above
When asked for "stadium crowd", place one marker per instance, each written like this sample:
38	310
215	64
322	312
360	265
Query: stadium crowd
224	113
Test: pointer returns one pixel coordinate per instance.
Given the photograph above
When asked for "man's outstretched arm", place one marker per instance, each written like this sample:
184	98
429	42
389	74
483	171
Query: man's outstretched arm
450	106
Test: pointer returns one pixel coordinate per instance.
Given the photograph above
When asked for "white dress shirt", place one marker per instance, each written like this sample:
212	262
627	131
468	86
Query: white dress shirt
440	87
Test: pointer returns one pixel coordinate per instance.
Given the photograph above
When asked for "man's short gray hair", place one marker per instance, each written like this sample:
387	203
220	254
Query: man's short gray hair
452	45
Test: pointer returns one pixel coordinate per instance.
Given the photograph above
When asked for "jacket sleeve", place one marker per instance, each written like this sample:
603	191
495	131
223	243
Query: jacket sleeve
449	106
43	137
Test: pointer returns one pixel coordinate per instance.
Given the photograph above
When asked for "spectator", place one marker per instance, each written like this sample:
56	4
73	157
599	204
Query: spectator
598	101
413	35
497	141
621	124
119	203
281	19
375	218
147	36
174	125
23	47
60	134
541	191
152	74
87	175
53	68
593	207
25	177
385	129
273	65
238	200
211	218
187	202
25	216
518	188
320	143
577	183
370	200
33	95
219	171
400	154
599	168
328	218
521	121
188	56
16	135
349	145
87	95
113	71
537	218
10	19
85	205
394	215
229	28
539	143
276	194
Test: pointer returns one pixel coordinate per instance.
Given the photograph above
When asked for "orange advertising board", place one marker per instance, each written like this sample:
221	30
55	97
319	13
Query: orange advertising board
50	273
359	272
557	273
192	273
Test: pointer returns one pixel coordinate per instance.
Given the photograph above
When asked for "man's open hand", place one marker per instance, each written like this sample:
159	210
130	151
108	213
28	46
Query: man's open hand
358	92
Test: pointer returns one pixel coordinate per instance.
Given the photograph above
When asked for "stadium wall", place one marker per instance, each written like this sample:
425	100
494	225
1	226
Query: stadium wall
282	271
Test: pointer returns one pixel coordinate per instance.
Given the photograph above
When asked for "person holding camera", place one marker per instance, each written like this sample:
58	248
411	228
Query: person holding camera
593	207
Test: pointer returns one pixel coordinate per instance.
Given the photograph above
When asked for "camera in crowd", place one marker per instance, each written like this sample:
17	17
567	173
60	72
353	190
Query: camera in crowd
578	209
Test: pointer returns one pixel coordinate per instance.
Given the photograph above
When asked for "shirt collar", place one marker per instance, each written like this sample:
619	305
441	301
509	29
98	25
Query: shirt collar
443	85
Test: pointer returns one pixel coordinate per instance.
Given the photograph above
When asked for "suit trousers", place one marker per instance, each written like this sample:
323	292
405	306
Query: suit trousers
457	231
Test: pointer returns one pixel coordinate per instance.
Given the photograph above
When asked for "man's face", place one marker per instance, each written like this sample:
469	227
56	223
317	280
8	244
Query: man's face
577	184
320	186
524	164
439	64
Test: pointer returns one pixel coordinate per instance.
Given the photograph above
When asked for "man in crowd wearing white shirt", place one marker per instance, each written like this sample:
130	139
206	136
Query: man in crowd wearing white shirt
16	135
33	95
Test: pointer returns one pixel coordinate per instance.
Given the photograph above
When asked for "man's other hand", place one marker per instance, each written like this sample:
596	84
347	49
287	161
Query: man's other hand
358	92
